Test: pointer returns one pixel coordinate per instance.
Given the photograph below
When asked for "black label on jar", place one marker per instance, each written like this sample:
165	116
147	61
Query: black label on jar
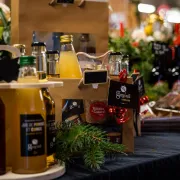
51	134
32	135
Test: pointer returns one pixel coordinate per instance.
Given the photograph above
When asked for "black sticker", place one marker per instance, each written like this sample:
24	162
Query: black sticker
51	134
72	107
32	135
140	84
123	95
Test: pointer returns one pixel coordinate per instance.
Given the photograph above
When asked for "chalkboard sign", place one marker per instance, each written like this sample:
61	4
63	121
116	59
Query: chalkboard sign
95	77
159	48
123	95
140	83
65	1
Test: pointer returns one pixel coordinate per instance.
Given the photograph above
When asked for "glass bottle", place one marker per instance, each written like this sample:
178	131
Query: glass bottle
39	51
52	63
28	125
84	40
115	59
125	63
21	47
2	139
68	62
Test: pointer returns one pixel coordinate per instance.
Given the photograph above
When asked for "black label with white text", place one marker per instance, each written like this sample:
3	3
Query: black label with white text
51	134
32	133
123	95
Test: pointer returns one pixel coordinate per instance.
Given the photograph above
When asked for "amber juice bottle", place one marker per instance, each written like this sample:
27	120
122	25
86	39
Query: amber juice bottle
2	139
50	125
29	155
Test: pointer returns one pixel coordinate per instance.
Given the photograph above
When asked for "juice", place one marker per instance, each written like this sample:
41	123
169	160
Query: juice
69	66
29	157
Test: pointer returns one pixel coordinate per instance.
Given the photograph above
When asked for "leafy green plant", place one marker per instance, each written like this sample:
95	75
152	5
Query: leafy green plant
6	34
86	141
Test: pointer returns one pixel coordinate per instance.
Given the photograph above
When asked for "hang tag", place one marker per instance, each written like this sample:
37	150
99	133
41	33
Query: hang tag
95	86
95	77
123	95
140	83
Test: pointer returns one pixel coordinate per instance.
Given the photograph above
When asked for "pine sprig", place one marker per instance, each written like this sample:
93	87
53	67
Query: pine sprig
89	142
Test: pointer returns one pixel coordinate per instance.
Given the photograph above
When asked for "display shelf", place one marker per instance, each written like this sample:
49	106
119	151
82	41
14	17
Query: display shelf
16	85
54	172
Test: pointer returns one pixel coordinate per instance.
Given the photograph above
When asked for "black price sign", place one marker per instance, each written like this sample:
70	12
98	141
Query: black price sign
95	77
159	48
65	1
140	83
123	95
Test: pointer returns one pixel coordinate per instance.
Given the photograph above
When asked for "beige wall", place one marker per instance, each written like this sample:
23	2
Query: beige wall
124	6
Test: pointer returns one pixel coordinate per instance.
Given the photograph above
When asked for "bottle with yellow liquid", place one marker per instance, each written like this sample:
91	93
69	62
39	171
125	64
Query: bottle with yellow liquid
68	62
28	125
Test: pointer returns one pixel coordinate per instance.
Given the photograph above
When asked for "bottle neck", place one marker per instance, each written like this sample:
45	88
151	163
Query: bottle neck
67	47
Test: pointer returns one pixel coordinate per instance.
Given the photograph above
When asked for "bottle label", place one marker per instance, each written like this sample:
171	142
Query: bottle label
51	134
32	135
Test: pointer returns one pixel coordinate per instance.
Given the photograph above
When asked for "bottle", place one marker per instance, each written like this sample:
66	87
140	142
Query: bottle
50	125
28	125
39	51
22	48
52	63
115	59
2	139
125	63
83	42
68	62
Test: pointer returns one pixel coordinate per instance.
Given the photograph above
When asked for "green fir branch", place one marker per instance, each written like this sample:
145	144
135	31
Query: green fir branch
87	141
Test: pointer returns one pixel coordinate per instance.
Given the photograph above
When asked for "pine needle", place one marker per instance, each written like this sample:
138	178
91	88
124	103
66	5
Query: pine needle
86	141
